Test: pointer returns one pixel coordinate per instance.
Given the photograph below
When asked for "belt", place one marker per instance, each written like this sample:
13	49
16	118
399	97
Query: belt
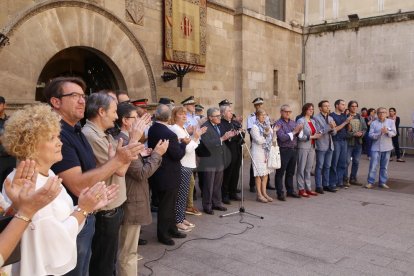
108	212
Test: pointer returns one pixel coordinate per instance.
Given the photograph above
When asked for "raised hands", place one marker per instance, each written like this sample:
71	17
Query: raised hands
198	132
298	128
125	154
229	134
138	127
185	140
97	196
161	147
22	191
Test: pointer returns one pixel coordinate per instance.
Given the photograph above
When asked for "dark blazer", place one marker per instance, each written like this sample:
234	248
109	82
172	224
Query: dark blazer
211	140
168	175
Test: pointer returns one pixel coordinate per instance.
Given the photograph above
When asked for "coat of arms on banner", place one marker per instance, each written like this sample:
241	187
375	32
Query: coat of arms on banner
185	32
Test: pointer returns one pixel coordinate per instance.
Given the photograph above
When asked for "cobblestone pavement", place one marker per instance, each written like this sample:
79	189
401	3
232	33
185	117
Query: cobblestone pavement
351	232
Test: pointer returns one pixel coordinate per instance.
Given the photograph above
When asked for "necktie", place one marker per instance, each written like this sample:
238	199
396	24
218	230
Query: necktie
217	130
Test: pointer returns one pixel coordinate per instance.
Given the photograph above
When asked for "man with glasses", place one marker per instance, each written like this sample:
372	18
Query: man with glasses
78	168
381	132
326	126
287	137
356	131
213	165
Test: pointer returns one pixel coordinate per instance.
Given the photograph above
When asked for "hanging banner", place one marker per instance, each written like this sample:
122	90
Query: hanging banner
185	32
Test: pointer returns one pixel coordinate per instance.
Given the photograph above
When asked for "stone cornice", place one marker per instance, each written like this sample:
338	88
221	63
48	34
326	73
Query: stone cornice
267	19
220	7
363	22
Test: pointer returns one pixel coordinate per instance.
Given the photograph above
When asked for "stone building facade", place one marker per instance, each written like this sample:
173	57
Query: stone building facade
249	54
369	59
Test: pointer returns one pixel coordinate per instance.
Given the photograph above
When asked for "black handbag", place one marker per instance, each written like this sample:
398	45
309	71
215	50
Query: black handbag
15	256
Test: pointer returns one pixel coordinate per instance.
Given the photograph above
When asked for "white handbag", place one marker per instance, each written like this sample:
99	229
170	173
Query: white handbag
274	161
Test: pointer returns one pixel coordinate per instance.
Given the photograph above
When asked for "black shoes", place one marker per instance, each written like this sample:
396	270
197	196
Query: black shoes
319	190
329	189
226	200
235	197
168	242
281	198
219	208
142	242
294	195
178	235
208	212
268	187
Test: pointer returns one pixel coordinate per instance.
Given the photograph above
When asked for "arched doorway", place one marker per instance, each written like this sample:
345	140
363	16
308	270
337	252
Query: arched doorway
95	68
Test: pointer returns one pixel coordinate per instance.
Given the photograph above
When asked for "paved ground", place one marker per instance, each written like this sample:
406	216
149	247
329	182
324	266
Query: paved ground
352	232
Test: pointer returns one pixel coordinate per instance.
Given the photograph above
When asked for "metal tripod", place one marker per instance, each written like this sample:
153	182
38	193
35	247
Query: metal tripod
242	210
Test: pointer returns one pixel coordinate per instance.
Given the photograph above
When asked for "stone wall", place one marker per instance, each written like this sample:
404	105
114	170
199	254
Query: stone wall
244	49
372	65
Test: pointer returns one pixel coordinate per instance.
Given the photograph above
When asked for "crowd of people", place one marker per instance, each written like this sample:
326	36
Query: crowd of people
92	168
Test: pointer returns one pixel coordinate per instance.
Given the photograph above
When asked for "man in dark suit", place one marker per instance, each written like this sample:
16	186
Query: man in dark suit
234	144
166	179
213	165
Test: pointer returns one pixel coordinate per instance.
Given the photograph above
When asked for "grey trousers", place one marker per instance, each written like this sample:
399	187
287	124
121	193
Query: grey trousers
212	189
306	158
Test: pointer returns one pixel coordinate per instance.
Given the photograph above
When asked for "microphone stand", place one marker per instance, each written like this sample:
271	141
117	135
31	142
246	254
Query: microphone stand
242	209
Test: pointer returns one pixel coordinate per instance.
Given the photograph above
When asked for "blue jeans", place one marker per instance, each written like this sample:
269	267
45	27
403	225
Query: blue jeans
354	152
381	158
323	164
339	163
83	243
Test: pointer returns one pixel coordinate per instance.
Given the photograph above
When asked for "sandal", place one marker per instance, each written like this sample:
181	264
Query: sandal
262	199
188	224
269	199
183	228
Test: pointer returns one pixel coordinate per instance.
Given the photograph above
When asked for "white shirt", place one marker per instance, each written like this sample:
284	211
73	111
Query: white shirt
48	245
192	120
189	159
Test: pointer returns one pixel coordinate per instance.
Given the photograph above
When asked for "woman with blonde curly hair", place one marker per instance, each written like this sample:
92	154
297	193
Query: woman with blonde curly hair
48	246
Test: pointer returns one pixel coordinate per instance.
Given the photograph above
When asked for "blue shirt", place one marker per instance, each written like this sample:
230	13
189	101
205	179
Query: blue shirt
339	119
76	151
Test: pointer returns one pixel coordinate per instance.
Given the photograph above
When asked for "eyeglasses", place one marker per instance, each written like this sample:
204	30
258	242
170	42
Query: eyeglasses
382	112
287	111
75	96
132	117
215	116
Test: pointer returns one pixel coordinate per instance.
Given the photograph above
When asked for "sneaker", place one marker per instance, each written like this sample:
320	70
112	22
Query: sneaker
183	228
369	186
139	257
400	160
193	211
385	186
391	159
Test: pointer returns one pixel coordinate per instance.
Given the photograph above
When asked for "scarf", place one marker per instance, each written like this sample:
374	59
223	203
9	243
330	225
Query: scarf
268	144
